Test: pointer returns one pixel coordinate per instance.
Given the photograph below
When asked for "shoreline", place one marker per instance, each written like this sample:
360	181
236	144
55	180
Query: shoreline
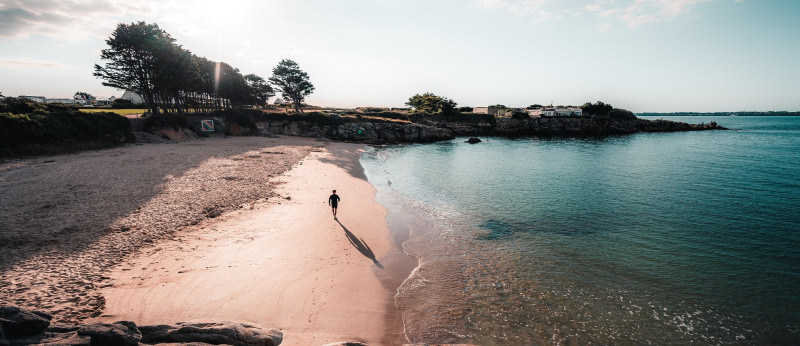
251	265
77	224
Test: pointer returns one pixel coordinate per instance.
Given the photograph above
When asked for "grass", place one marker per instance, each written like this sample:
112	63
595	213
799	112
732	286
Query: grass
122	112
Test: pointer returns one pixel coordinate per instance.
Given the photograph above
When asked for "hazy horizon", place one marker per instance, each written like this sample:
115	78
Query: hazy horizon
641	55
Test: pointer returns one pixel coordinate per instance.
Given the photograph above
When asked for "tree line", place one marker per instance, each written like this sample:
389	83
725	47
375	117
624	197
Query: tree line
145	59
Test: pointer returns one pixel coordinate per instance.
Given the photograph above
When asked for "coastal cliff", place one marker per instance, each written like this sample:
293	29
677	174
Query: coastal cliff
377	132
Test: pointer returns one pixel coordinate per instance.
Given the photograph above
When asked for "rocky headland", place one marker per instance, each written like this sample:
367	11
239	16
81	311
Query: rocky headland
388	132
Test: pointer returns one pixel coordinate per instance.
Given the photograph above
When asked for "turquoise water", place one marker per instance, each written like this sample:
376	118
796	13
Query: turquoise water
690	237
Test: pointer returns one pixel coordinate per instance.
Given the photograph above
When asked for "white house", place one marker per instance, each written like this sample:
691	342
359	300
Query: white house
132	96
492	110
569	111
105	102
62	101
40	99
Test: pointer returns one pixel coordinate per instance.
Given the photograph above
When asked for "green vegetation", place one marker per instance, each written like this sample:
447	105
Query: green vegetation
145	59
122	112
292	81
432	104
30	128
598	108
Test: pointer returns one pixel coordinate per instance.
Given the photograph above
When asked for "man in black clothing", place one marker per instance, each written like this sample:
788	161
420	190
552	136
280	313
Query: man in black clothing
333	201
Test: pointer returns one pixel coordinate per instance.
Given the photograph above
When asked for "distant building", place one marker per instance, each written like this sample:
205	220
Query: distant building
132	96
105	102
61	101
569	111
40	99
555	111
279	101
491	110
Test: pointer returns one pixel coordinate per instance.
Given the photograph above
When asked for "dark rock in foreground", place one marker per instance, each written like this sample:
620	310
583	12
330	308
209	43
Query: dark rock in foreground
230	333
24	327
122	333
473	140
20	323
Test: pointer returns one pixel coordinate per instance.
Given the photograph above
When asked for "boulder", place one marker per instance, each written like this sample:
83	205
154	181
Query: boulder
122	333
71	339
224	332
3	340
473	140
20	323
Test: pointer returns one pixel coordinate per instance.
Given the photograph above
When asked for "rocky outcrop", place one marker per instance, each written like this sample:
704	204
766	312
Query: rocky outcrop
369	132
122	333
473	140
24	327
229	333
429	130
20	323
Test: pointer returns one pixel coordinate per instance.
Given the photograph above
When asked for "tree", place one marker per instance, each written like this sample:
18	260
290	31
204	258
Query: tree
80	95
535	106
133	58
292	82
260	90
598	108
430	103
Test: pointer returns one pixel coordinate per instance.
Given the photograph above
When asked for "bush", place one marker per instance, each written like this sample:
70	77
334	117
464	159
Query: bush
520	115
15	105
157	121
65	130
623	114
122	103
465	109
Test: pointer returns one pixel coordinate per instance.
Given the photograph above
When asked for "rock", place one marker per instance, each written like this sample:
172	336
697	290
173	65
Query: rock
231	333
3	341
473	140
346	343
62	328
20	323
122	333
71	339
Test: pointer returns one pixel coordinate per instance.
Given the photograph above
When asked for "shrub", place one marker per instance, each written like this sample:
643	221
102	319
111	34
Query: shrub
65	130
16	105
175	121
619	113
520	115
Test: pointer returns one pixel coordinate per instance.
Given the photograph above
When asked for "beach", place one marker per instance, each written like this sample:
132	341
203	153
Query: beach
231	228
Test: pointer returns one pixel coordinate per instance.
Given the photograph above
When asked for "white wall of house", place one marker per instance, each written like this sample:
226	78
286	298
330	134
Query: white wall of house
63	101
41	99
485	110
132	96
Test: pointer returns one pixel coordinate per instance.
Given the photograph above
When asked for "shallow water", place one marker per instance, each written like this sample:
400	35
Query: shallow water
648	238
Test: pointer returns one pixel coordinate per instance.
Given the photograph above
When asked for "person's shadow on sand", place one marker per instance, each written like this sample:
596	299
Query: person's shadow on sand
360	245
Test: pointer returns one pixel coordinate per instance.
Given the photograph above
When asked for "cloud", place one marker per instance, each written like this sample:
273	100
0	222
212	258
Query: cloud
533	8
65	19
631	13
635	13
29	63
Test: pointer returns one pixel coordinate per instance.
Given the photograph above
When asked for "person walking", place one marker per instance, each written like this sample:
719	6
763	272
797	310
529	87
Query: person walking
333	201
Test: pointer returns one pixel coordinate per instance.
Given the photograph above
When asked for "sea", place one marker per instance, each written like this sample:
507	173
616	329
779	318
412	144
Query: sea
652	238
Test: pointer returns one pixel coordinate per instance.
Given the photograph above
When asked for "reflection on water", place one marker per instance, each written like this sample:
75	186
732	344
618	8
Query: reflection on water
653	238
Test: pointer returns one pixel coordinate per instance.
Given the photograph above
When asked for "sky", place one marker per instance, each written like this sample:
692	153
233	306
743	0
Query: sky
641	55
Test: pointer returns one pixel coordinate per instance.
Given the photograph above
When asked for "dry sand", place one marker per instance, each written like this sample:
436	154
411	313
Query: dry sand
212	229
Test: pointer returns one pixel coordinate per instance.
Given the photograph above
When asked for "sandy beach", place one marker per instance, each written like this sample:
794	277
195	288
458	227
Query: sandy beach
213	229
